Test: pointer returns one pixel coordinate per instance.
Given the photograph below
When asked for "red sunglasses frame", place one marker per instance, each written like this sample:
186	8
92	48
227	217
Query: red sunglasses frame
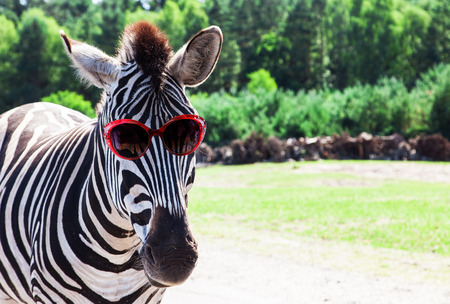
107	133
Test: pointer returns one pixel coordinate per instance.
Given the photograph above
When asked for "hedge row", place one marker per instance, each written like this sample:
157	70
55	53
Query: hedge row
365	146
383	109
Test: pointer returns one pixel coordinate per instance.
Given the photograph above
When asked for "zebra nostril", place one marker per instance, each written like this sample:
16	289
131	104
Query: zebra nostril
149	255
190	239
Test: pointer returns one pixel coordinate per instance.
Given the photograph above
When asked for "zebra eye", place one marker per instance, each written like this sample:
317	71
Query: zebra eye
182	136
129	140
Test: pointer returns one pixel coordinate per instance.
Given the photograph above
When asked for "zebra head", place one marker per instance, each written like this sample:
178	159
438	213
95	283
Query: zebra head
148	182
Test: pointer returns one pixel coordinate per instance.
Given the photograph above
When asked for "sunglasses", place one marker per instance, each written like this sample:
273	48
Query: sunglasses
130	139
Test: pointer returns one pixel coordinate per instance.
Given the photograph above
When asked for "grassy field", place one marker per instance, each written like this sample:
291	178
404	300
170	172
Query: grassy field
295	199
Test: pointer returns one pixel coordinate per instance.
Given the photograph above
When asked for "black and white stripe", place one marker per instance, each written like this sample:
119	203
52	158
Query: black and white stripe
78	224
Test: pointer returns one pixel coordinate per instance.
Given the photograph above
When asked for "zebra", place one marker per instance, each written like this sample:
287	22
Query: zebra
95	210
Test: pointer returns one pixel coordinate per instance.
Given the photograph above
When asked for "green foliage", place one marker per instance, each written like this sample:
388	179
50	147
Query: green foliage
41	62
9	35
195	17
223	121
261	79
113	17
437	82
71	100
301	47
304	44
381	109
140	14
339	65
306	115
7	58
440	114
432	105
171	19
81	18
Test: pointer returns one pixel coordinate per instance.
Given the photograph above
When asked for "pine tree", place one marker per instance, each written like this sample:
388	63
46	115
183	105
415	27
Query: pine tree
299	40
113	23
32	65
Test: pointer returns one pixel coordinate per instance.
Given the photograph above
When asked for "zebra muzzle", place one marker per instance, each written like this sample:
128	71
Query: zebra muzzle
169	253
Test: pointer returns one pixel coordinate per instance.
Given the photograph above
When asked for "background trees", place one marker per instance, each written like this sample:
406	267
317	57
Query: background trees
9	38
304	45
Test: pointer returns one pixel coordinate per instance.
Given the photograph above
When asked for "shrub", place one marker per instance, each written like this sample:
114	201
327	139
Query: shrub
431	100
71	100
440	113
306	114
261	79
224	120
256	111
381	109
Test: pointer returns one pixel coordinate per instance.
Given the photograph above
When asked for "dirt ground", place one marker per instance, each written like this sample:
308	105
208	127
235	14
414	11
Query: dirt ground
264	268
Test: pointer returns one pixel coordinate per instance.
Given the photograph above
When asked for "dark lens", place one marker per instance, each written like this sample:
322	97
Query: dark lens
129	141
182	136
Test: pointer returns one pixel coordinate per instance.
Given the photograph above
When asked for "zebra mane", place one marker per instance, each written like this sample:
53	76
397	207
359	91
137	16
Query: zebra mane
149	46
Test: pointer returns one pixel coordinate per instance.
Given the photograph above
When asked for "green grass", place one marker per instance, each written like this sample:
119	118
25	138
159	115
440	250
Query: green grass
389	213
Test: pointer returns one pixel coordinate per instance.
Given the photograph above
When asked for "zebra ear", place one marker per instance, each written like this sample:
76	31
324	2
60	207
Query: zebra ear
196	60
92	65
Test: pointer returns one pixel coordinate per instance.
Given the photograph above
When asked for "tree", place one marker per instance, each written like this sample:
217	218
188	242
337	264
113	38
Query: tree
195	17
228	68
154	5
336	25
12	7
304	44
252	20
410	29
372	39
8	71
246	22
42	65
33	62
171	20
436	43
318	53
80	17
296	48
112	25
140	14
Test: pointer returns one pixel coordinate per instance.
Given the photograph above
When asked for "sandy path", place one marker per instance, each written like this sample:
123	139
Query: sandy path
419	171
236	276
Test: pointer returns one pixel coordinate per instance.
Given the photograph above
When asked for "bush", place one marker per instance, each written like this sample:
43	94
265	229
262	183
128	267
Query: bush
431	98
224	121
256	111
305	114
440	113
383	109
261	79
71	100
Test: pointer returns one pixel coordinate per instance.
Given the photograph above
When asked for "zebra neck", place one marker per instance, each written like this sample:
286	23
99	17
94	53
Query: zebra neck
105	228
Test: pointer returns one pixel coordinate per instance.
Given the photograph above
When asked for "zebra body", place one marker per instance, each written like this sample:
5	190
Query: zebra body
80	225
